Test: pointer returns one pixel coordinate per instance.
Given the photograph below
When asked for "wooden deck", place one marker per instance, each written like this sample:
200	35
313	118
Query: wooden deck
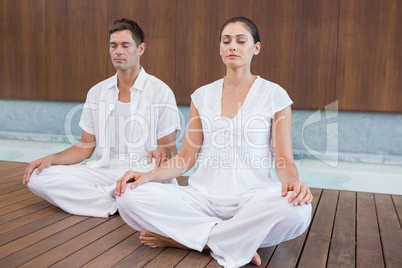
349	229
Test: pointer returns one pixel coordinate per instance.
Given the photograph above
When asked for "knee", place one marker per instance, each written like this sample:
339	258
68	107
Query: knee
134	199
299	217
35	183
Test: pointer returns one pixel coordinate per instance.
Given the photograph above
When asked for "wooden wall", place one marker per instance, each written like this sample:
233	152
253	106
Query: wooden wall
320	51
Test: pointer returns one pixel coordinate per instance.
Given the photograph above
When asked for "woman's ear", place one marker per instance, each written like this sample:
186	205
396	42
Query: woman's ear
257	48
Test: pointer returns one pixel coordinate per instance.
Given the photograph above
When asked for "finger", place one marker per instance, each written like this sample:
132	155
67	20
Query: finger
149	158
296	191
39	169
302	194
311	198
284	190
157	161
306	198
28	172
121	184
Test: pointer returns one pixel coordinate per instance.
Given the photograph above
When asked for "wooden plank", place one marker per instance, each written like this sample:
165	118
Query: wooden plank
28	219
14	186
287	253
16	193
195	259
318	240
398	206
16	199
168	258
213	264
75	253
33	227
23	211
139	257
47	242
368	243
342	250
32	238
116	253
265	255
34	199
390	230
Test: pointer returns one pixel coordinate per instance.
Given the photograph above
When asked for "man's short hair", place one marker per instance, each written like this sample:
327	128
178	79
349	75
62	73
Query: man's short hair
126	24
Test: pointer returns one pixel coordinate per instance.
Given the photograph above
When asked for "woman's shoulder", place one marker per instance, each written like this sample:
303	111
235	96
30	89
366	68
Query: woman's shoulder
209	88
266	85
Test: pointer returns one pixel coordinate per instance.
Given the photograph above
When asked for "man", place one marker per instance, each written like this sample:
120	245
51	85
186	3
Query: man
131	119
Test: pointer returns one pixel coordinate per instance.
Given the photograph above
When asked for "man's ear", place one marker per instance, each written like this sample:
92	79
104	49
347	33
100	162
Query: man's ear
141	49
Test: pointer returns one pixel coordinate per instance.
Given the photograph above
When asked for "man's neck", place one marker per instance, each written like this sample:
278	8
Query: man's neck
126	78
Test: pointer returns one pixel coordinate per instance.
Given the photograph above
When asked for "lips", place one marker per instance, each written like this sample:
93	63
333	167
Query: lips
233	56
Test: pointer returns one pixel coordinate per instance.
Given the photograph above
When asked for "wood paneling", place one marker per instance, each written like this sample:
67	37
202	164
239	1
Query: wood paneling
22	49
370	56
76	38
157	18
299	44
320	51
197	51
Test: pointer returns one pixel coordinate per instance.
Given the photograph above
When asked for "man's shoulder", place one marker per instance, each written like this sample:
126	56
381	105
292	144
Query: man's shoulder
154	83
102	87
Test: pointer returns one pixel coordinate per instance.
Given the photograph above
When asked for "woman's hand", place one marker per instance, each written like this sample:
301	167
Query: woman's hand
301	193
131	176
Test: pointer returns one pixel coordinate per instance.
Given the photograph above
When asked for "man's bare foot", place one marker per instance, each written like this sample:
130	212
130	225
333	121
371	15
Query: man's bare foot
256	259
153	240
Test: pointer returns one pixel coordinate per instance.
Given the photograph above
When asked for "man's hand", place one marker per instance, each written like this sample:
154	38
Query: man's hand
39	164
160	155
301	193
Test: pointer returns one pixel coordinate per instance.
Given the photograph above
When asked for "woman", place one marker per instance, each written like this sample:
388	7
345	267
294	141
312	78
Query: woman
232	205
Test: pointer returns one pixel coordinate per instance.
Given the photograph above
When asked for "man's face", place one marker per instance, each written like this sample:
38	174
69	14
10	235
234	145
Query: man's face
123	50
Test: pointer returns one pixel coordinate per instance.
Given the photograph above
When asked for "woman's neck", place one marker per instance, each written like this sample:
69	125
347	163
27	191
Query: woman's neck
238	78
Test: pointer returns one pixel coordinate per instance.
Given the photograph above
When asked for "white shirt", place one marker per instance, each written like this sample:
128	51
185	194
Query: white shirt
236	156
153	109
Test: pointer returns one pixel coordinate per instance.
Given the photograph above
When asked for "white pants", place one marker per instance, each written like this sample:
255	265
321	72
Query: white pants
80	189
233	232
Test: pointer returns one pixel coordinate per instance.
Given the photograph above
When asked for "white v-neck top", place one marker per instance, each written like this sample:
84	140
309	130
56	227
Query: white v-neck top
236	157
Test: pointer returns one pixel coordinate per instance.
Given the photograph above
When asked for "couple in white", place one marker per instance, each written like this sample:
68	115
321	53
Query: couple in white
230	211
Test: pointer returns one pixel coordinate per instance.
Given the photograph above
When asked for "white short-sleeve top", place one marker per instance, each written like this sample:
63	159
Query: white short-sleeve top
236	157
153	115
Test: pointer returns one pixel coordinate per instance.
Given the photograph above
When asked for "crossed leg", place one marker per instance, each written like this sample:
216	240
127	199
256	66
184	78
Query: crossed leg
153	240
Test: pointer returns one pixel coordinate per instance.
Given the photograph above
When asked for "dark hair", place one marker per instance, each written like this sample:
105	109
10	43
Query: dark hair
126	24
249	24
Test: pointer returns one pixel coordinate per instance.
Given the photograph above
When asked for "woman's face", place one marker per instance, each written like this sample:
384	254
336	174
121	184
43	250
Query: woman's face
237	46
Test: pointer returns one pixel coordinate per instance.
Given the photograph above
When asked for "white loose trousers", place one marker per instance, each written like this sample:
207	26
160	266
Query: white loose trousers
80	189
233	232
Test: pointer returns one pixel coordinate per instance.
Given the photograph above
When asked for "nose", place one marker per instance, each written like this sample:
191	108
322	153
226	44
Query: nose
233	46
118	50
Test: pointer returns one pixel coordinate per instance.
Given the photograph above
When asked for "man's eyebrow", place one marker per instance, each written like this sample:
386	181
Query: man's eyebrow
227	35
124	43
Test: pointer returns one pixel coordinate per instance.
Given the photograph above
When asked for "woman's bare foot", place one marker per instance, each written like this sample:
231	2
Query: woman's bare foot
153	240
256	259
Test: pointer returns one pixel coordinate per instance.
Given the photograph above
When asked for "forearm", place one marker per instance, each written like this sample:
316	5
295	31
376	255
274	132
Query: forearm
174	167
287	172
73	155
